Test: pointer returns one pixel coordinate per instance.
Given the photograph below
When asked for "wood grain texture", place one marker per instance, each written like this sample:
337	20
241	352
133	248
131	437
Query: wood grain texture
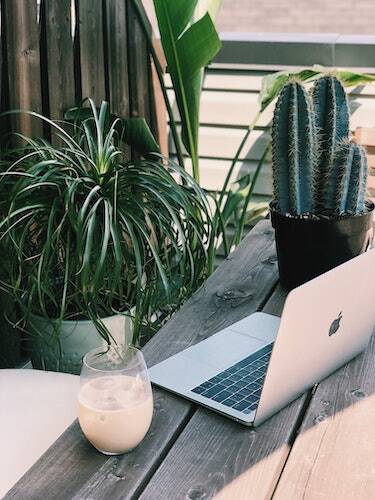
23	53
92	49
60	57
217	458
4	121
118	67
333	455
72	469
139	62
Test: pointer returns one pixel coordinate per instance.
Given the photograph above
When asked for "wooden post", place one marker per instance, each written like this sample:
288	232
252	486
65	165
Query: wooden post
23	50
92	49
60	57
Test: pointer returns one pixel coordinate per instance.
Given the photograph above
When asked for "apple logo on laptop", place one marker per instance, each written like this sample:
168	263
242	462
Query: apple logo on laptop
335	325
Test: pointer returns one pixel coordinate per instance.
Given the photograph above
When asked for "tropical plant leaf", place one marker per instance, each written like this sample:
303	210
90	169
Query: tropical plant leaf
210	6
273	83
188	47
138	135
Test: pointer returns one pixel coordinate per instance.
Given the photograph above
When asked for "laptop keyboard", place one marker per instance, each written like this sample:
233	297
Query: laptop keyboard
239	386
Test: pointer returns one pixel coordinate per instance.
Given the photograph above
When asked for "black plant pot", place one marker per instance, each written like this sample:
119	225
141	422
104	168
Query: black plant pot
307	248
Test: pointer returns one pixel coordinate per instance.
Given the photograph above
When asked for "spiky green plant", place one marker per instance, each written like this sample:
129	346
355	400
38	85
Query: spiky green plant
332	121
294	142
91	234
316	170
345	187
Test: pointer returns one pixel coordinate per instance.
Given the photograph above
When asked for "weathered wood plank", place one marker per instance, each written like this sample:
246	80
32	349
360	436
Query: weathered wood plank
240	286
333	455
217	458
1	58
139	62
60	57
118	66
23	51
92	49
118	60
3	81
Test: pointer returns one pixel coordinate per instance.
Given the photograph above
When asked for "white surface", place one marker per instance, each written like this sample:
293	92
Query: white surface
35	408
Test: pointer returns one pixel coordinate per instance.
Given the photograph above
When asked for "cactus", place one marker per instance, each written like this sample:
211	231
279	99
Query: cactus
294	150
332	121
316	170
345	183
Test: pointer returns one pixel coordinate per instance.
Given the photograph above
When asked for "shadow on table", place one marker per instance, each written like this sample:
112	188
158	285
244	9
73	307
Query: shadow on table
218	458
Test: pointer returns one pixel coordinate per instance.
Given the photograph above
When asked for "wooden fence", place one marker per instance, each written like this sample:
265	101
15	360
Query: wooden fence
53	53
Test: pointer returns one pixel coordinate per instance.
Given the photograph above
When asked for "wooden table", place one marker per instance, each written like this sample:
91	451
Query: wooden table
320	446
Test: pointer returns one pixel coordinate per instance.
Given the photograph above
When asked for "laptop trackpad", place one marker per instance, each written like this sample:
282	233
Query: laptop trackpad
223	349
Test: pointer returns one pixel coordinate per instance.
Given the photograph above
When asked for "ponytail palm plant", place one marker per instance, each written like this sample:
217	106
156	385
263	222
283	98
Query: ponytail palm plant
92	234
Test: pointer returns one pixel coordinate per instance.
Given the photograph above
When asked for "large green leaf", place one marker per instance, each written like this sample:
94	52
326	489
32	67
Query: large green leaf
210	6
188	47
139	136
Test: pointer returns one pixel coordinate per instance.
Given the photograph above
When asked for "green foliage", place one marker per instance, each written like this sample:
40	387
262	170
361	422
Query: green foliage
315	168
332	120
345	183
293	150
272	84
91	234
188	47
132	131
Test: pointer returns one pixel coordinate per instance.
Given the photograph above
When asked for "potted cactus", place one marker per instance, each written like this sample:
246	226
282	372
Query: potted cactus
319	212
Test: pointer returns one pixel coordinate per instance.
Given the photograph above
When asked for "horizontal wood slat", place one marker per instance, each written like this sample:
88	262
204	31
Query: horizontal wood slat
217	142
214	173
238	109
251	81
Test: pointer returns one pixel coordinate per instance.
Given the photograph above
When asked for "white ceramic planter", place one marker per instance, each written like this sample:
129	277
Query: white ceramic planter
60	346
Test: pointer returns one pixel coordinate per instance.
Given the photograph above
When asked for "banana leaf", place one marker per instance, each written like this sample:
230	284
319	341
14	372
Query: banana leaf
188	47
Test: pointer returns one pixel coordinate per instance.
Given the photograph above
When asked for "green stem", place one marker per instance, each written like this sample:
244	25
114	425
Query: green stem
241	225
237	155
160	74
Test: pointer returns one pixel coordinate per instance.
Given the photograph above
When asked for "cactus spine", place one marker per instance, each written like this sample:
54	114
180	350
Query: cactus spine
345	188
316	170
332	121
294	147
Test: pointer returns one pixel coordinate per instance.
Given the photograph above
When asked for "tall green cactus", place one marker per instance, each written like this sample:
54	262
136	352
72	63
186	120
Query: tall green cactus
345	182
294	150
316	170
332	121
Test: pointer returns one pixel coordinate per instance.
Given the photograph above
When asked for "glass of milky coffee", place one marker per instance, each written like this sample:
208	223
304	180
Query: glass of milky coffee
115	402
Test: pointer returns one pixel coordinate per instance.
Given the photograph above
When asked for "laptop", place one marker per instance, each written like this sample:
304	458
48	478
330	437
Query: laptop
253	368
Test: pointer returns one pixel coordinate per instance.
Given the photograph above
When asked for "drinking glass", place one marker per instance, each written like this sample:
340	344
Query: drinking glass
115	403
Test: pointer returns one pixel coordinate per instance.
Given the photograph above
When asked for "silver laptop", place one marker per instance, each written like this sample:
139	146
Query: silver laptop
256	366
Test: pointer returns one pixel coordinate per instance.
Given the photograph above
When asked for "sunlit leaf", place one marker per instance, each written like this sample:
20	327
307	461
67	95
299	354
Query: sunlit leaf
188	48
